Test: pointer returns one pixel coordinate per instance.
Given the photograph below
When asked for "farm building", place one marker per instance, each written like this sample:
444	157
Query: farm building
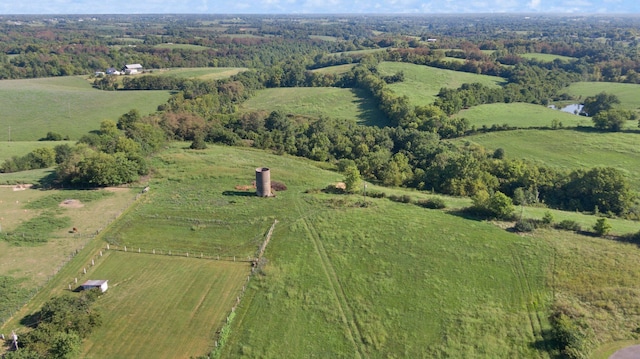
132	69
100	283
112	71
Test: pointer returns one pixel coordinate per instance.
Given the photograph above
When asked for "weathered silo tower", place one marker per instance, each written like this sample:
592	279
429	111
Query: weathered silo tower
263	182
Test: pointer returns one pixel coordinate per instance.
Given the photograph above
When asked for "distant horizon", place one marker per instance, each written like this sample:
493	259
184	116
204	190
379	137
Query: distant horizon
323	7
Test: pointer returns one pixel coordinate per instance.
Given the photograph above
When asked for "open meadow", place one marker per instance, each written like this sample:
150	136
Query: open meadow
547	57
65	105
568	149
351	104
520	115
422	83
629	94
202	73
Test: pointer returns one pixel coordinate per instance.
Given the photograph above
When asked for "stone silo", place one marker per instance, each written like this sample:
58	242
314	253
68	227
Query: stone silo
263	182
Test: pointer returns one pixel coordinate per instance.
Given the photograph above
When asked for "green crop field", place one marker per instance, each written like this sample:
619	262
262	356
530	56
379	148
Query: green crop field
569	149
203	73
66	105
547	57
422	83
520	115
629	94
163	307
352	104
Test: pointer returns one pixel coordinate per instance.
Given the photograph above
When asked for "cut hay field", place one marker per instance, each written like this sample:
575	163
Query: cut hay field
351	104
336	70
162	307
422	83
202	73
521	115
568	149
66	105
629	94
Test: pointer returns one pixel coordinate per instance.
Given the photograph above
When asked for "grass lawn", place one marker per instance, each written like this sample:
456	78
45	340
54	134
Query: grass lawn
352	104
569	149
66	105
629	94
185	301
422	83
521	115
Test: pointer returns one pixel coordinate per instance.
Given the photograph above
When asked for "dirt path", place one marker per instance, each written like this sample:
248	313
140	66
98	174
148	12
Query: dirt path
632	352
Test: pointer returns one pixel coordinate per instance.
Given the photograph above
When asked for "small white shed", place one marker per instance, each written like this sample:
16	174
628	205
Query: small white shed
99	283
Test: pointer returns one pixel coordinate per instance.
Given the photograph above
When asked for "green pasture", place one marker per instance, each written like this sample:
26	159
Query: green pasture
629	94
324	38
66	105
422	83
352	104
547	57
203	73
336	70
182	47
21	148
170	307
521	115
568	149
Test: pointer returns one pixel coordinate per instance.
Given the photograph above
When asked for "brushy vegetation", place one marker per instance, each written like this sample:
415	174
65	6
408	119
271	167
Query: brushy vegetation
36	230
12	295
54	199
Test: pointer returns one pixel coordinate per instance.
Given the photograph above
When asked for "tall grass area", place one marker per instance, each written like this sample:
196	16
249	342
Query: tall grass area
521	115
66	105
422	83
629	94
351	104
568	149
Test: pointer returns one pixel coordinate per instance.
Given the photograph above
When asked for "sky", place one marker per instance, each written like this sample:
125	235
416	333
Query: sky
318	6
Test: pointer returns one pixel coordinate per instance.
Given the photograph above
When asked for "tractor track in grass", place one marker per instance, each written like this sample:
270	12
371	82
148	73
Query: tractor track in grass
346	313
535	322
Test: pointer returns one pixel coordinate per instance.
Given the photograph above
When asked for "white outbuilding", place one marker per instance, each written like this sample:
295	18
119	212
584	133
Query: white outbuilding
98	283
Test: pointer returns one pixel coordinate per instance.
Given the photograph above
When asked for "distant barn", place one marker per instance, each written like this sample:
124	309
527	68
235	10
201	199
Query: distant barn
101	283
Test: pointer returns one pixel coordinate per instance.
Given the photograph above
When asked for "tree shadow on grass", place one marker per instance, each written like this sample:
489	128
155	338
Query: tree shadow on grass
239	193
370	113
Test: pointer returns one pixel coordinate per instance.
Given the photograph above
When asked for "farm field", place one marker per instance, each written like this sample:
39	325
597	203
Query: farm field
181	46
202	73
21	148
186	301
569	149
422	83
66	105
337	69
319	101
547	57
521	115
629	94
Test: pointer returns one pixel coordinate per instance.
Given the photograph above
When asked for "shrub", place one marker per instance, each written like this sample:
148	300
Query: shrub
602	227
547	219
432	203
402	199
376	194
278	186
568	225
525	225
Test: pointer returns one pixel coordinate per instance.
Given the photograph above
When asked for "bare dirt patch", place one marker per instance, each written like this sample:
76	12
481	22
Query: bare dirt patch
71	203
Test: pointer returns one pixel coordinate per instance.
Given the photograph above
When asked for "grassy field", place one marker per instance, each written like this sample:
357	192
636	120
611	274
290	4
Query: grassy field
422	83
203	73
521	115
341	280
187	300
569	149
547	57
336	70
352	104
629	94
66	105
21	148
182	47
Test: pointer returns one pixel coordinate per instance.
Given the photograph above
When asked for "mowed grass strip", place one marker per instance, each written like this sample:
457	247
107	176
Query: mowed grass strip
351	104
65	105
422	83
521	115
568	149
162	307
